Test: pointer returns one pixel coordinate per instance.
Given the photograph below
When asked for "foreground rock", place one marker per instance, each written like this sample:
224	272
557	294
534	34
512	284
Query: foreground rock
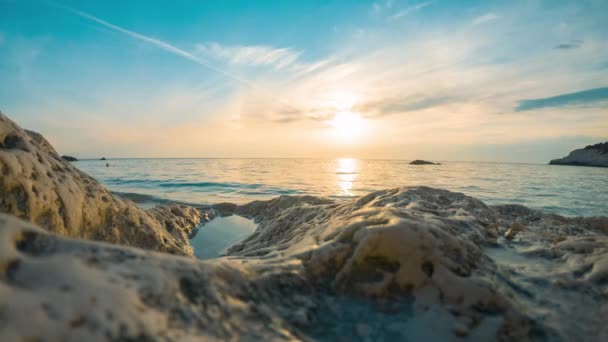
423	162
402	264
592	155
37	185
69	158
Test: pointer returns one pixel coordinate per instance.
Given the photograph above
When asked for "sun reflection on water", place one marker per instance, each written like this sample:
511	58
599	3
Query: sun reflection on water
346	173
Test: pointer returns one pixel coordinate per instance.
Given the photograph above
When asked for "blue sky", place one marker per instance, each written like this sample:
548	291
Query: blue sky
459	80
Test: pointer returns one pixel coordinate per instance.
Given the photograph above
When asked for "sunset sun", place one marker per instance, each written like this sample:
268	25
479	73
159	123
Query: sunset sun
347	125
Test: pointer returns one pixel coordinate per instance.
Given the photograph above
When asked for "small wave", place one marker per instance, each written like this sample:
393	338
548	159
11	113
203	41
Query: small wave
151	199
181	184
204	185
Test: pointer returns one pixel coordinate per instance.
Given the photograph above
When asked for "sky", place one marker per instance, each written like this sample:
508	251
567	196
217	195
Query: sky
513	81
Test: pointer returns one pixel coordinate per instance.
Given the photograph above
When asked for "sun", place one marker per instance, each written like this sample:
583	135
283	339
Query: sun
347	125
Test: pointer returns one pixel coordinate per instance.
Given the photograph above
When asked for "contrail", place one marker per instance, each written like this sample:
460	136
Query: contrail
174	50
158	43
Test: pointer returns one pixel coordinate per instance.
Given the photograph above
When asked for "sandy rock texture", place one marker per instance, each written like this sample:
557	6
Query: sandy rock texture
507	271
37	185
403	264
592	155
413	263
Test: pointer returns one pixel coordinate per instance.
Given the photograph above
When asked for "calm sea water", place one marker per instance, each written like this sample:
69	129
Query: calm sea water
566	190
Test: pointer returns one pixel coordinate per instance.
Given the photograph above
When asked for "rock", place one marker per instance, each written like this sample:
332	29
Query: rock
492	231
423	162
510	234
69	158
515	228
396	264
225	209
37	185
592	155
102	158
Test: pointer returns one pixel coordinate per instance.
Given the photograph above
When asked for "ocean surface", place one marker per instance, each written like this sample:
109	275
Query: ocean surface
565	190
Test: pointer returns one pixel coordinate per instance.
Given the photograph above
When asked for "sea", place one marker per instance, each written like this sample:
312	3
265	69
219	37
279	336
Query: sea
564	190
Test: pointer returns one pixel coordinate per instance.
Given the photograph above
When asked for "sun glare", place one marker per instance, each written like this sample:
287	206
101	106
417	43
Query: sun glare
347	125
344	101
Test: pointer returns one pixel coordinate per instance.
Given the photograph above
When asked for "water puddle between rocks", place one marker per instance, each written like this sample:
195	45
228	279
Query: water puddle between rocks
216	236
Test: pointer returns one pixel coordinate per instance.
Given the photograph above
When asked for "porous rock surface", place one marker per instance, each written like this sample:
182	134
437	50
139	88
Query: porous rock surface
412	263
37	185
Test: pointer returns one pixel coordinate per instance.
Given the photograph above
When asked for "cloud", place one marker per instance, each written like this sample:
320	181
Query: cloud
575	44
403	105
158	43
410	9
256	55
579	98
381	5
484	18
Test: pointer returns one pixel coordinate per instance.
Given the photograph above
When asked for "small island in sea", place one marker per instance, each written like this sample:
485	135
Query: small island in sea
423	162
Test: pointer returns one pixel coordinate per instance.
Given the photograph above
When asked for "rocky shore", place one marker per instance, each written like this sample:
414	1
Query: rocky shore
39	186
592	155
410	263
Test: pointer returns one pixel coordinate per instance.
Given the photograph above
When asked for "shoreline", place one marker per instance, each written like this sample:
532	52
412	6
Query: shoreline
416	262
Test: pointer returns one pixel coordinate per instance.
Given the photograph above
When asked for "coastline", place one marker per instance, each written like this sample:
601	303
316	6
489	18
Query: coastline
404	263
202	181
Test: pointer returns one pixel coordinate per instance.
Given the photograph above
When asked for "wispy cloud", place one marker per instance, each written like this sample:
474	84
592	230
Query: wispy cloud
379	6
484	18
578	98
158	43
404	12
256	55
404	105
575	44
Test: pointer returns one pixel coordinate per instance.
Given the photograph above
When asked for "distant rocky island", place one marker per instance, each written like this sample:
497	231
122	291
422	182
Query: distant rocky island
69	158
423	162
592	155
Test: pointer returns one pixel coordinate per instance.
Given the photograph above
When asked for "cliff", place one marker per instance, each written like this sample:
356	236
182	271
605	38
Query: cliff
592	155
